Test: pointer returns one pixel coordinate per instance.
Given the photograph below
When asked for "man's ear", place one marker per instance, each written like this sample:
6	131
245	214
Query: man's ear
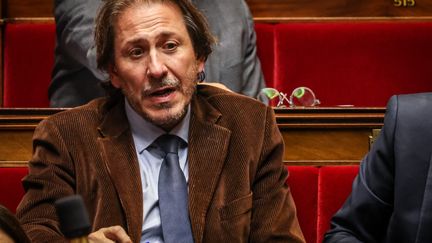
113	74
201	63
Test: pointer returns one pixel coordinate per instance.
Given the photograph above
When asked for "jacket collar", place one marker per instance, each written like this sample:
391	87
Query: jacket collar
118	153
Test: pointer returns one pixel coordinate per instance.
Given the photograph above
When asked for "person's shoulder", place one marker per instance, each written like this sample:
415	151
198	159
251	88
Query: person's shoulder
411	104
416	98
234	107
410	109
84	113
222	96
234	111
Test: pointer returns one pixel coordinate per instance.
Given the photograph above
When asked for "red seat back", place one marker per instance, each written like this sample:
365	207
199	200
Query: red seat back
317	191
265	50
11	190
334	186
303	181
28	61
348	63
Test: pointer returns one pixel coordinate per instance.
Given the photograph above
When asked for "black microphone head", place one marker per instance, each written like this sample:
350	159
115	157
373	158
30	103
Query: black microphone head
73	217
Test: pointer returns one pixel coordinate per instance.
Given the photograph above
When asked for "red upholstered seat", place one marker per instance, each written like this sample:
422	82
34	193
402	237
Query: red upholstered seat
11	190
317	191
334	186
265	50
303	181
345	63
28	60
355	63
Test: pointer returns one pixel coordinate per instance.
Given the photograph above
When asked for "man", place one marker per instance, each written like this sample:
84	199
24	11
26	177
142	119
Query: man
110	151
76	79
391	199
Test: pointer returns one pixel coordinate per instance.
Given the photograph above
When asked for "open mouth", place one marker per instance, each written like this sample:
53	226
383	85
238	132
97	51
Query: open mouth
162	92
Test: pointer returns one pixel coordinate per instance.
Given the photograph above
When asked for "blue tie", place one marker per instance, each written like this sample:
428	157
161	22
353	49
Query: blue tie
173	194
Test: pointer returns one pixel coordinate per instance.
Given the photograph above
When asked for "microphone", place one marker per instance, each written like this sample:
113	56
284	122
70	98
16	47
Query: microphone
73	217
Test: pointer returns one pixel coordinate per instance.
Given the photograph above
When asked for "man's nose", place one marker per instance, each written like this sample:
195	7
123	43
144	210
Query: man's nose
156	67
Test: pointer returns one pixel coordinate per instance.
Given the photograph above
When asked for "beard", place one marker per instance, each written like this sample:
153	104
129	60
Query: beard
164	115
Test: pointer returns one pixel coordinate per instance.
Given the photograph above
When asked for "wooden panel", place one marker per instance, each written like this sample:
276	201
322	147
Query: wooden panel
15	145
330	146
313	136
272	8
13	164
327	136
27	8
16	131
340	8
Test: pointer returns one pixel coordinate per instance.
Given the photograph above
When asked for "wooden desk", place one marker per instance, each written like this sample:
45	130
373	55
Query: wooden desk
16	131
313	136
323	136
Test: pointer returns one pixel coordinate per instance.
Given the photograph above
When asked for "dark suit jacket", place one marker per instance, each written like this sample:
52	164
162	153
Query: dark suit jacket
391	199
237	190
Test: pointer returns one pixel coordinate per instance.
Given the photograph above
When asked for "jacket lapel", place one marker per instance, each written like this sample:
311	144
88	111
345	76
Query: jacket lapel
208	145
424	233
120	158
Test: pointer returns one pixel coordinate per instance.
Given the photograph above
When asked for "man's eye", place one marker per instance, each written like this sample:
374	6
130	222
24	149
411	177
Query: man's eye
136	52
170	46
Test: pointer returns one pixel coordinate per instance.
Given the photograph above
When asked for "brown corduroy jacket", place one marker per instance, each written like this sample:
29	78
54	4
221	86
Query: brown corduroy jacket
237	190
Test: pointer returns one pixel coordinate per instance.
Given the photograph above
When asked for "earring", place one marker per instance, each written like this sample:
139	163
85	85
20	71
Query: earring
201	76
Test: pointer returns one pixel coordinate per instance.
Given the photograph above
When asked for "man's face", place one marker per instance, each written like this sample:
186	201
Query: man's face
154	62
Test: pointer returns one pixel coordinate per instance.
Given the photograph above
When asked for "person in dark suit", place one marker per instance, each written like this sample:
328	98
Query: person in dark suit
391	198
229	146
76	79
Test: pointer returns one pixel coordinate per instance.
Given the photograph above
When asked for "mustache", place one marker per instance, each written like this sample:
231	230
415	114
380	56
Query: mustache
165	82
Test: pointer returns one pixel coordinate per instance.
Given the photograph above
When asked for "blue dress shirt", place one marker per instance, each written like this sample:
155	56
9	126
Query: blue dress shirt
150	158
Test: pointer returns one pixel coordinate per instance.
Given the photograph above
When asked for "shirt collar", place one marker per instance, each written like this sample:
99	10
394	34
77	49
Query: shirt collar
145	132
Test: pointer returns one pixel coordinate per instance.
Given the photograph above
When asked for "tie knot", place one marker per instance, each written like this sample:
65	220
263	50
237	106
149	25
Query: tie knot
168	143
